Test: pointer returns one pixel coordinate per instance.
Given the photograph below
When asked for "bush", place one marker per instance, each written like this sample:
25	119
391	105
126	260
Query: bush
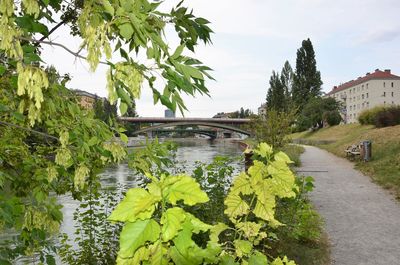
332	117
381	116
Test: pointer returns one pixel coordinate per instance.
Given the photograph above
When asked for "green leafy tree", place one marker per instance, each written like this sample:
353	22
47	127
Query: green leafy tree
307	79
312	115
48	144
276	98
104	111
287	76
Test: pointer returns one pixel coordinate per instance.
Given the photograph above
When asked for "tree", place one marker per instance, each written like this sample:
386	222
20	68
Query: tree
70	146
313	113
276	93
287	76
307	79
104	111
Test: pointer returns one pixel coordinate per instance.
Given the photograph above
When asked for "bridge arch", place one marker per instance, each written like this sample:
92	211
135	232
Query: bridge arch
187	123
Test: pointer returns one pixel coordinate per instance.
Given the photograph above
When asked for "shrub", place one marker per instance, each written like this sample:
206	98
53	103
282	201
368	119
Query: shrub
381	116
332	117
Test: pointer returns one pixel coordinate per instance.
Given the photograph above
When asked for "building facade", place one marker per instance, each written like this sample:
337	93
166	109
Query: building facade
380	88
262	110
85	99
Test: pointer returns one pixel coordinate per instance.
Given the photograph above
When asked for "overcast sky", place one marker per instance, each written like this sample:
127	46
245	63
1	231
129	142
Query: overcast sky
254	37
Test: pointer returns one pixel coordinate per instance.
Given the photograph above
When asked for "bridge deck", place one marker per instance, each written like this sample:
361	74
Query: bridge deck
170	120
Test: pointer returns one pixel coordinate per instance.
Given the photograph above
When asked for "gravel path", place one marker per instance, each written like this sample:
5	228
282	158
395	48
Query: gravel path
361	219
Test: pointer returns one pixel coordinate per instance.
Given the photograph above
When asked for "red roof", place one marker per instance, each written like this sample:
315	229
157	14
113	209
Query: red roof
378	74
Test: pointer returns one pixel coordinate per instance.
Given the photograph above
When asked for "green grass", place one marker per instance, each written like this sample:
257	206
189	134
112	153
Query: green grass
384	167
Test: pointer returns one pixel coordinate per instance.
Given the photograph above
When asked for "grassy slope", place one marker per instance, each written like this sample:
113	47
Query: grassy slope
384	168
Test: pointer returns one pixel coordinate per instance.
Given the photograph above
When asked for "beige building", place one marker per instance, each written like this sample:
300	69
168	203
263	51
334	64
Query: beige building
374	89
262	110
85	99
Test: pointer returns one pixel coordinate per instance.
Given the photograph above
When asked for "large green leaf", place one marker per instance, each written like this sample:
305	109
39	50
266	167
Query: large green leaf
258	259
264	150
137	204
241	184
243	247
126	30
283	179
235	206
257	172
187	189
135	235
172	221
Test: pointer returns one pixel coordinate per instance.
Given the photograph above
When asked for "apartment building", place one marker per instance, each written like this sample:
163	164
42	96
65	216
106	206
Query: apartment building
373	89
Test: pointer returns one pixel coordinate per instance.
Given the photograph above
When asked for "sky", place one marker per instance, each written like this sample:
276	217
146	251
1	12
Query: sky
254	37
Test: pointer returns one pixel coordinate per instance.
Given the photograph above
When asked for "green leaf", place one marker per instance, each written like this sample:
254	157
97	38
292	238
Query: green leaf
172	221
124	138
281	156
228	260
187	189
283	179
94	140
243	247
126	31
257	172
216	230
108	7
258	259
134	235
137	204
123	108
178	52
235	206
241	184
264	150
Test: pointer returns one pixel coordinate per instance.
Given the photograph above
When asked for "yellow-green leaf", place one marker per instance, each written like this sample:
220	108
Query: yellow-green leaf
126	30
187	189
241	184
264	150
242	247
250	229
172	221
281	156
137	204
135	235
235	206
257	172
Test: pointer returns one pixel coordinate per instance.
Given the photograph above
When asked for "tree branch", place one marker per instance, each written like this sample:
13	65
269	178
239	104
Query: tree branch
51	43
29	130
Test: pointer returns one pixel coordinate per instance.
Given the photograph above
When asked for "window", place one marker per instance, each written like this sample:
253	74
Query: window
367	85
392	94
350	108
384	84
384	94
362	96
366	95
362	105
367	104
392	84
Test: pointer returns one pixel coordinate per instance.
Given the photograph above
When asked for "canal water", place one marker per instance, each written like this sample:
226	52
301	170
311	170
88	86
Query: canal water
189	152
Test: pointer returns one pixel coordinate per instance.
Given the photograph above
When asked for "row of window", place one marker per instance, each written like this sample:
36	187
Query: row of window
384	84
363	105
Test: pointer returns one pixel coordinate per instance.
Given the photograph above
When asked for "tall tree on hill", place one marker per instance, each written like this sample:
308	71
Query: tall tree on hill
276	93
287	76
307	79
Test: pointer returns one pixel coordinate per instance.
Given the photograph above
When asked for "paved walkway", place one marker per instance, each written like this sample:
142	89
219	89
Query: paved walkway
362	220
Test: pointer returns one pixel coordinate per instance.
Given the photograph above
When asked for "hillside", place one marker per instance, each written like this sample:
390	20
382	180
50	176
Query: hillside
384	167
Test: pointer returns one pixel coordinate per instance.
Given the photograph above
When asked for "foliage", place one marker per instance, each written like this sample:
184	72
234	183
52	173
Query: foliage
273	128
312	115
307	79
104	111
214	179
96	239
381	116
242	113
276	93
158	230
332	117
48	145
61	154
287	78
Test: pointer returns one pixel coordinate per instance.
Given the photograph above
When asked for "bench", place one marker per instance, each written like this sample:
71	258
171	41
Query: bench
353	151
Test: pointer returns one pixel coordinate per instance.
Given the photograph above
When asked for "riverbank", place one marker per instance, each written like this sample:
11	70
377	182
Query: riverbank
384	167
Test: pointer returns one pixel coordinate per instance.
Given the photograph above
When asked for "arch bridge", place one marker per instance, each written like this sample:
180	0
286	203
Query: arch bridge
160	123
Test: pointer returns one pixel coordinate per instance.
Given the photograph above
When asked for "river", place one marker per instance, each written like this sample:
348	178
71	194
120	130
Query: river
189	151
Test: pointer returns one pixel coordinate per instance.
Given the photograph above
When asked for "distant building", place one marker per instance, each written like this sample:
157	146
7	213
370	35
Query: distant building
85	99
169	113
371	90
262	110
